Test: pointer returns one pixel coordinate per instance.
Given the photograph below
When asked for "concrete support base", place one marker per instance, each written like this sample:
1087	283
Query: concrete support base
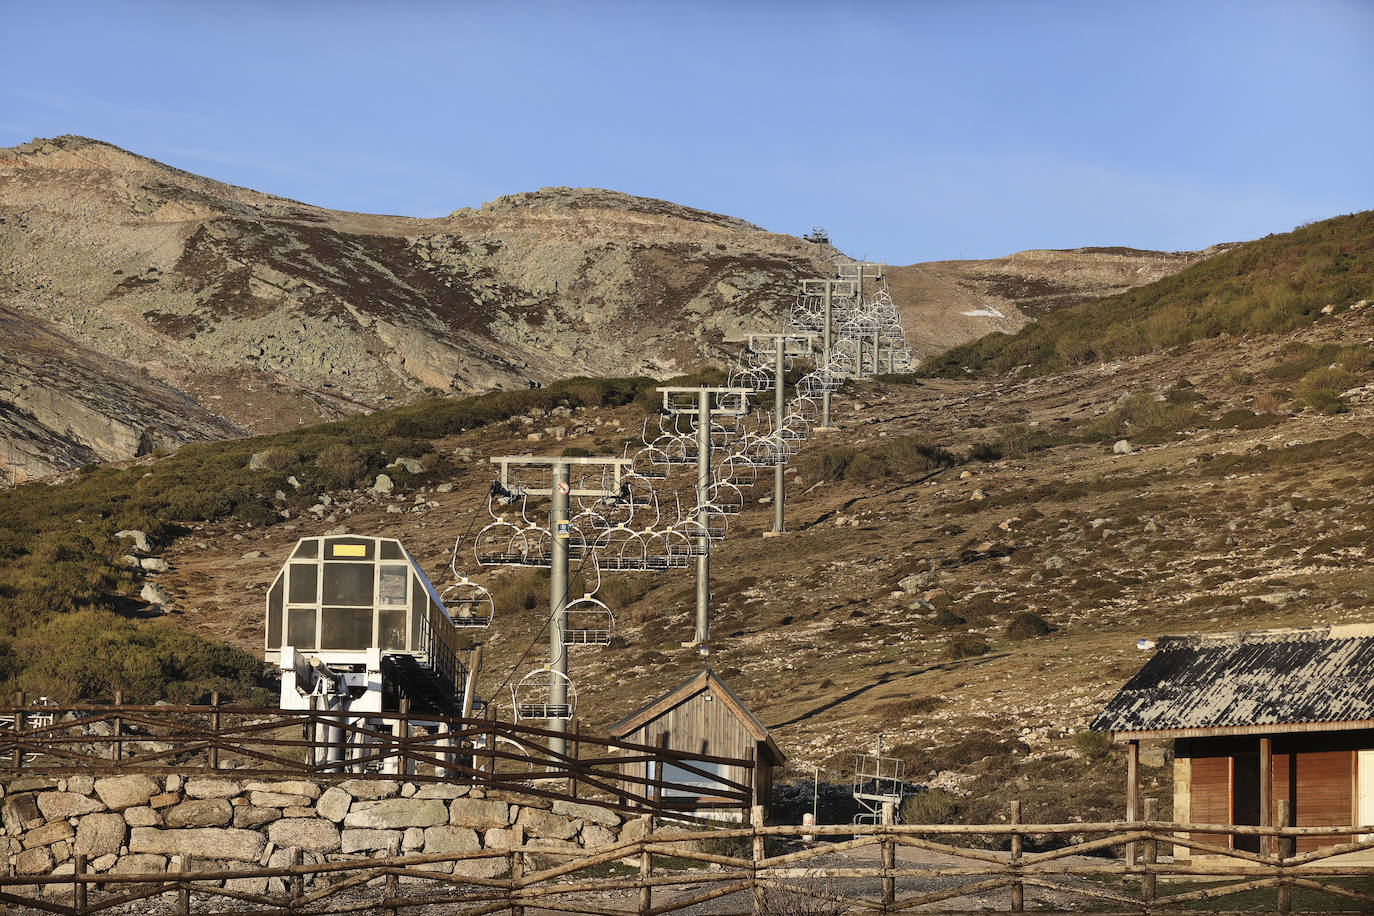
774	534
825	429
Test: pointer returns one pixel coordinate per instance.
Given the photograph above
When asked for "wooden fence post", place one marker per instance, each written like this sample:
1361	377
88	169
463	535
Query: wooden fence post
78	885
214	727
646	866
1286	848
572	771
1150	854
1018	888
184	888
392	886
297	879
403	738
889	848
757	853
491	743
517	866
118	730
1132	792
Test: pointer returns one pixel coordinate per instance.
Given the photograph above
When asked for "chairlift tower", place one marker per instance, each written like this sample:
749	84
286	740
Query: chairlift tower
704	403
831	290
783	346
560	491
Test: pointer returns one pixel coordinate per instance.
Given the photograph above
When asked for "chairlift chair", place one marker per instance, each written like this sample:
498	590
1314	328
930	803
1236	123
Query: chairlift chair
532	696
468	603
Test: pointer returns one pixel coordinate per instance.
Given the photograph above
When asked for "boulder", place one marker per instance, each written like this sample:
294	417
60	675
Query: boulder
138	537
81	785
594	813
481	813
413	839
18	810
248	817
36	861
443	840
333	804
153	564
370	788
48	834
594	836
288	787
368	840
1122	447
444	790
246	885
384	484
200	812
278	800
120	792
397	813
155	594
139	864
211	787
409	465
100	834
312	834
142	817
201	842
500	838
547	825
66	804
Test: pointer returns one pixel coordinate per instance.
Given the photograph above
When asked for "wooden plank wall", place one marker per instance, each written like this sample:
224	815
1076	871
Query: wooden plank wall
1321	789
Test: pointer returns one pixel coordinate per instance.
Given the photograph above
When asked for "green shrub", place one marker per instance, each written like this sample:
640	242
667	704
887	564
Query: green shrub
342	465
1027	625
984	451
947	619
1093	745
966	647
902	457
931	806
576	451
1015	440
827	463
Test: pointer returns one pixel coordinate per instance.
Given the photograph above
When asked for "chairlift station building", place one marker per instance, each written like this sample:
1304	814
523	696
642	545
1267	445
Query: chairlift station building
1255	718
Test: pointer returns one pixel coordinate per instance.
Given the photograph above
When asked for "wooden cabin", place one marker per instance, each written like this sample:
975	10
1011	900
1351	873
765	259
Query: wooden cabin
1257	717
703	716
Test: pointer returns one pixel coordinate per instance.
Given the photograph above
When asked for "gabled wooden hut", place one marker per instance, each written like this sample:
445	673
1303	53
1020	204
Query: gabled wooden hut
1257	717
704	716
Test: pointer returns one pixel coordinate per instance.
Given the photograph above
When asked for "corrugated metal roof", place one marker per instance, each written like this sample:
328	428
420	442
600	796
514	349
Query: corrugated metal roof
1266	677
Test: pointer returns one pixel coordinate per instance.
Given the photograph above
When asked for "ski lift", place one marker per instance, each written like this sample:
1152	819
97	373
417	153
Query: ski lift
532	696
498	544
468	603
590	623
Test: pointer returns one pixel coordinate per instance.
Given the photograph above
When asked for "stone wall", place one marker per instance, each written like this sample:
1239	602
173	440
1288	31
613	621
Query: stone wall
138	824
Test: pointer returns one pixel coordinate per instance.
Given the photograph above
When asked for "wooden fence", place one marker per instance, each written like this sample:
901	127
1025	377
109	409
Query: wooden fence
167	740
811	870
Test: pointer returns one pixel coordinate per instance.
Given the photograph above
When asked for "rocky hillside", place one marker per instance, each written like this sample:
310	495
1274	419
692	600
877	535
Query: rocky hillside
947	303
976	606
269	313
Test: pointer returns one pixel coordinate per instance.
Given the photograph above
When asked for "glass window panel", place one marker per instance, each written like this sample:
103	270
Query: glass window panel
300	627
391	585
345	628
304	584
348	584
274	597
419	600
308	549
702	784
391	624
391	550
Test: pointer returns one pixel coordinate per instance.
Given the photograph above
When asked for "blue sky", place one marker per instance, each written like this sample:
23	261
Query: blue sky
912	131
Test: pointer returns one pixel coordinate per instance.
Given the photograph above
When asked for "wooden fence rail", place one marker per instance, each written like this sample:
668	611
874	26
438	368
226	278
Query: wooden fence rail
122	738
844	869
